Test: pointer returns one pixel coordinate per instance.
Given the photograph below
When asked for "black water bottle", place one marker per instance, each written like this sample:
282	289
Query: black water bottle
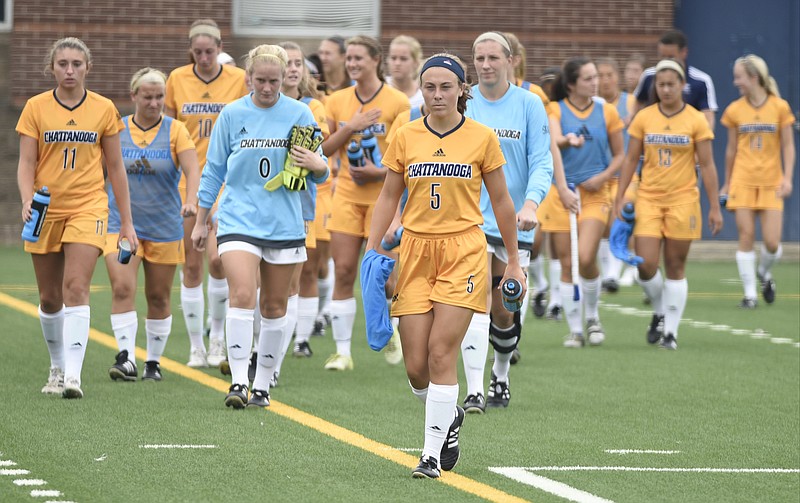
39	205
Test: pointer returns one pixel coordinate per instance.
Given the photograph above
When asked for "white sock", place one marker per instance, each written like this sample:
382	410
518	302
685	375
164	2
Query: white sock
746	261
675	293
602	254
572	309
257	317
239	335
654	289
325	287
343	315
536	270
76	337
125	326
502	361
157	334
591	296
768	260
193	304
291	323
53	331
614	267
422	394
555	282
439	409
269	347
306	315
474	349
217	307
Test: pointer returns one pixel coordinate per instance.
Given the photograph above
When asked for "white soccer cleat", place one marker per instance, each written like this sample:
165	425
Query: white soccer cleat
595	331
339	362
574	341
55	382
393	352
198	358
72	388
216	353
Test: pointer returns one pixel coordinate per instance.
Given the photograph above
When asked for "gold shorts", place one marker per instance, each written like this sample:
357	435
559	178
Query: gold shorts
311	234
155	252
85	228
323	212
553	217
449	269
669	220
754	198
350	218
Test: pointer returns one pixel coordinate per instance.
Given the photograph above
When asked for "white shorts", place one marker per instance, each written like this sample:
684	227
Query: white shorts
278	256
501	253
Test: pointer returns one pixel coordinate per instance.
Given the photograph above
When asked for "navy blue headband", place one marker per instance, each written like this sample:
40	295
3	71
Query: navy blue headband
445	62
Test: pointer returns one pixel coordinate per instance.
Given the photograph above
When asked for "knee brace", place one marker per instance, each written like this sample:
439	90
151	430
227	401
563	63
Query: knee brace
505	341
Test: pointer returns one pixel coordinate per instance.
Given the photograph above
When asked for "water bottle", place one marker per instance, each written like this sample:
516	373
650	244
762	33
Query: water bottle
628	213
397	235
723	200
39	205
370	145
355	154
512	295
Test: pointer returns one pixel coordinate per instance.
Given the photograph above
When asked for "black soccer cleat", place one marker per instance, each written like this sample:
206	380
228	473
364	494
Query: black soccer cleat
748	303
258	398
610	285
516	356
669	342
554	313
152	371
450	450
475	404
768	290
656	329
302	350
539	305
236	397
251	370
426	469
498	394
123	368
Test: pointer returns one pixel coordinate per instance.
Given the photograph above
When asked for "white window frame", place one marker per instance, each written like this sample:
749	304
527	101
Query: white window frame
6	25
276	31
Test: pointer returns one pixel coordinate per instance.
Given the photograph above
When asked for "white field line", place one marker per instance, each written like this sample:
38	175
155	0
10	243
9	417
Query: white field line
7	462
58	501
653	469
45	493
30	482
560	489
177	446
13	471
406	449
639	451
781	340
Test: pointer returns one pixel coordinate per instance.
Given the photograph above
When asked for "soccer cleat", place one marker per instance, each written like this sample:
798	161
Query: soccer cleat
426	469
152	371
72	388
554	312
251	369
273	381
656	330
393	352
515	356
55	382
124	368
748	303
610	285
237	396
216	352
225	367
669	342
258	398
450	450
198	358
538	306
302	350
475	404
574	341
498	394
595	333
768	290
339	362
321	323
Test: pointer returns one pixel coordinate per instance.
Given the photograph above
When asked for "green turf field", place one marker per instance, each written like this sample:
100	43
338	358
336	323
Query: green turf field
728	399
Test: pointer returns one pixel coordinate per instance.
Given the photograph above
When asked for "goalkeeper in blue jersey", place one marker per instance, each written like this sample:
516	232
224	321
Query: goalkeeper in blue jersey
256	153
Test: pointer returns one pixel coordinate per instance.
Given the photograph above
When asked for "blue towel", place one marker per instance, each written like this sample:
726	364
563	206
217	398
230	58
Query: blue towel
375	270
618	242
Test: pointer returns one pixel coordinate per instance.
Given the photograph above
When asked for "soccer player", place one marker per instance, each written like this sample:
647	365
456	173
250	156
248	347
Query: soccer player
331	53
64	136
155	149
520	122
589	135
196	93
699	91
442	160
634	67
405	56
369	105
759	134
670	134
259	230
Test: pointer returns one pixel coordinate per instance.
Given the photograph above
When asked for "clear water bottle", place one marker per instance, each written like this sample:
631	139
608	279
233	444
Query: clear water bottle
397	235
511	292
355	154
39	205
628	213
370	145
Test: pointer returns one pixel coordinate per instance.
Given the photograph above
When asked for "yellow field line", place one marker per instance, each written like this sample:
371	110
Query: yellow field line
342	434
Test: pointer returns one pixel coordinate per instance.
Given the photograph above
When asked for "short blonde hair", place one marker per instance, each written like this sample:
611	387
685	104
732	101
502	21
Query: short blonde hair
266	52
65	43
147	75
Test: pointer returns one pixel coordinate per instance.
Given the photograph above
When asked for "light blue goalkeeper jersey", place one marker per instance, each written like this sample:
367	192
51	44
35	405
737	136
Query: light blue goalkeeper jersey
520	122
248	147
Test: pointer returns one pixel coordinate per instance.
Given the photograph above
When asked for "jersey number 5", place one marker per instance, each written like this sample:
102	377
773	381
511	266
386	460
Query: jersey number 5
436	198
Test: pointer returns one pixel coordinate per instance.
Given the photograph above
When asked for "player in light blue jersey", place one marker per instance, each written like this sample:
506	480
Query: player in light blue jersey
155	148
519	119
260	224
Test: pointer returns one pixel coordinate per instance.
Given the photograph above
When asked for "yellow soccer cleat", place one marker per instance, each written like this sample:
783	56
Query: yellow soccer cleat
339	362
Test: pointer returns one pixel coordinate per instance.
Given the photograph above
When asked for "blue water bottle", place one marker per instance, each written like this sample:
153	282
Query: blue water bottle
355	154
39	205
512	295
397	235
628	213
370	145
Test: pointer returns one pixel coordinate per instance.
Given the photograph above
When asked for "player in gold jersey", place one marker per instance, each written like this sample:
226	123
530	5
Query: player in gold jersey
64	135
759	134
670	134
196	94
442	160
